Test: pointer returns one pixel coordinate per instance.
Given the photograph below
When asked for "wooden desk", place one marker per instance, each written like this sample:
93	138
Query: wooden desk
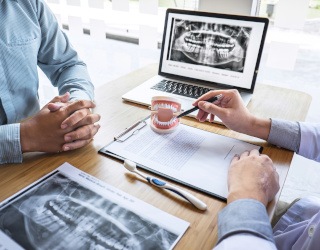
117	115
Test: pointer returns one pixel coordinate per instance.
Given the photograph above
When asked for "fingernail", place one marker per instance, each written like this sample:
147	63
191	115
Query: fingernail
68	138
63	126
66	148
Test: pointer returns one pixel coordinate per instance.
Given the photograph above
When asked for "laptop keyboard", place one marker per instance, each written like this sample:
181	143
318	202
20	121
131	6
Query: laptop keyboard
179	88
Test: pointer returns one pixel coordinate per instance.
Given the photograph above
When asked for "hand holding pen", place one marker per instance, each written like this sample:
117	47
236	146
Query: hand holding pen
212	99
233	113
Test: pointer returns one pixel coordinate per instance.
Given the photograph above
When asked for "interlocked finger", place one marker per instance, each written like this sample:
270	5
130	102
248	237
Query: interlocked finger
87	120
82	133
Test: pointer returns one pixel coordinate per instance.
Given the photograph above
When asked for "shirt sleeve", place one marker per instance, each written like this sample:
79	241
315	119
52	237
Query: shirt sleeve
300	137
285	134
10	149
310	141
245	242
58	60
246	218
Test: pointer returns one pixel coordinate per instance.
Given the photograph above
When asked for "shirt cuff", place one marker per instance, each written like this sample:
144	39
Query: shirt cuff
79	95
10	147
244	216
285	134
310	134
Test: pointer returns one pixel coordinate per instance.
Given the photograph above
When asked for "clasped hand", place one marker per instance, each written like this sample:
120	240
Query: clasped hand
59	126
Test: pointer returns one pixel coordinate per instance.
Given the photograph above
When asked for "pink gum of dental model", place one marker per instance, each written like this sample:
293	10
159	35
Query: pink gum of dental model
164	111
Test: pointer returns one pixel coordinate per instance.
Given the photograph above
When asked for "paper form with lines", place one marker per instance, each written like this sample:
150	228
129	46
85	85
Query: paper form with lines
194	157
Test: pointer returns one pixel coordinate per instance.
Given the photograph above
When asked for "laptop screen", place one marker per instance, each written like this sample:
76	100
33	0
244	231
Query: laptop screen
212	48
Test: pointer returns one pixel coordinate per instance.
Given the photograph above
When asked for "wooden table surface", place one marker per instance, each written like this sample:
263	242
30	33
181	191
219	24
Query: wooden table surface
267	101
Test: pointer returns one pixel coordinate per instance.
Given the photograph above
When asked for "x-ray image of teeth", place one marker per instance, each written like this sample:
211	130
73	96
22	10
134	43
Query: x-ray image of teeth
210	44
62	214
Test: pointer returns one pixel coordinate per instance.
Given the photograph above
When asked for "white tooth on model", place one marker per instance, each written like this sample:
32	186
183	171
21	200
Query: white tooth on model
165	123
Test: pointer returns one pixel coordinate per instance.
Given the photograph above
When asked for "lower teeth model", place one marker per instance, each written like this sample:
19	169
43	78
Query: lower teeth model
164	111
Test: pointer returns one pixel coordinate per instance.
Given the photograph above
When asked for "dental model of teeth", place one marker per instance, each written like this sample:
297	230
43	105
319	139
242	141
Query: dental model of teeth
164	112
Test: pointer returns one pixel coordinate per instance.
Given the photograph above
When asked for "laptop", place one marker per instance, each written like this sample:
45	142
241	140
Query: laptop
203	51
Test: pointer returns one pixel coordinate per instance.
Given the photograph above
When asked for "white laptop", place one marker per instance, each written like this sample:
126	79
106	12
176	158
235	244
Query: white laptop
203	51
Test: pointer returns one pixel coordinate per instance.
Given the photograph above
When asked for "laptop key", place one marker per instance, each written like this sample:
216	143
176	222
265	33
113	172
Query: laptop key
180	88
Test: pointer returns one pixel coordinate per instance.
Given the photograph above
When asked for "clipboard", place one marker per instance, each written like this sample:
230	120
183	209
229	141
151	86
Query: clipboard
190	156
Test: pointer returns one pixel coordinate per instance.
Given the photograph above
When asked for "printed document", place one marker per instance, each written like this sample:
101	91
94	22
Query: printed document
191	156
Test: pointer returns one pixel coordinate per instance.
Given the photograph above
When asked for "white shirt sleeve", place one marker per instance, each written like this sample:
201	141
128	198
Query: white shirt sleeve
310	140
300	137
245	242
248	220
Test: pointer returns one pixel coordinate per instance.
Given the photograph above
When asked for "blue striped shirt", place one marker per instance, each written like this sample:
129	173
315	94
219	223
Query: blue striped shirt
29	37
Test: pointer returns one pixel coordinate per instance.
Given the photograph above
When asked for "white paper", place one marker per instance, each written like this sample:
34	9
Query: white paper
192	156
70	209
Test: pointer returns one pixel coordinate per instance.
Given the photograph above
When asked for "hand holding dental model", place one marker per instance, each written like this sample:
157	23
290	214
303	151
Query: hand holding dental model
131	166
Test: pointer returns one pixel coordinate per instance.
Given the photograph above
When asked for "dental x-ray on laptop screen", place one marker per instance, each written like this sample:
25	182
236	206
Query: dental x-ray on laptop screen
203	51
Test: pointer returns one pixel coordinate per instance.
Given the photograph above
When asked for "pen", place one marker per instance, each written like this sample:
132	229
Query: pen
212	99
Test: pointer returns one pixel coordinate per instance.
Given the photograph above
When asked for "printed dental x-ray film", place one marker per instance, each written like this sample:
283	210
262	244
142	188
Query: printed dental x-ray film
61	213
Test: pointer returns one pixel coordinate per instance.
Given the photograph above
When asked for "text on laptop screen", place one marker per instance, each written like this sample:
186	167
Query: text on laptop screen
212	49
